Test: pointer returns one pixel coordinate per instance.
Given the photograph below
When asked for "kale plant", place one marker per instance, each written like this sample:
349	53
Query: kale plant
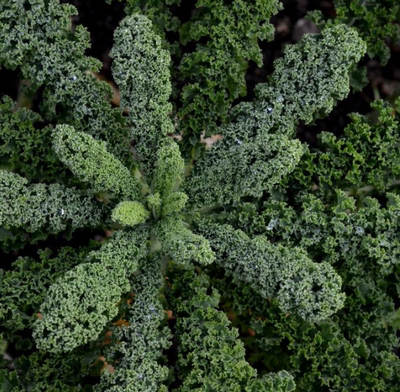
257	226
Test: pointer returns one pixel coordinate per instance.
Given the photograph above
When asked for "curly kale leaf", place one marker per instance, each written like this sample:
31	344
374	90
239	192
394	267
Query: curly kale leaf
374	21
311	290
244	168
157	11
90	161
169	170
312	75
25	144
130	213
78	307
226	37
141	71
256	152
181	244
38	206
174	203
123	250
365	157
80	303
44	54
138	345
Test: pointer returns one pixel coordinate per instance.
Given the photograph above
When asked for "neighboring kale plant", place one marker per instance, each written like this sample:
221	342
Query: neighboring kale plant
376	21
